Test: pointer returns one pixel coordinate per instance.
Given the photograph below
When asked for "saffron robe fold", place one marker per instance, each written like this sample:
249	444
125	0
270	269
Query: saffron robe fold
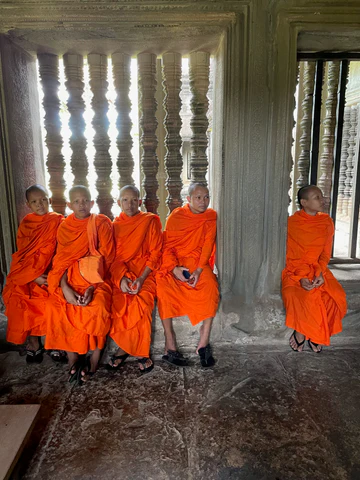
79	328
189	241
138	242
317	313
24	299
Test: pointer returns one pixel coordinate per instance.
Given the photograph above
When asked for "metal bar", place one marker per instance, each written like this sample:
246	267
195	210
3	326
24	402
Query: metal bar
325	56
315	127
344	260
354	219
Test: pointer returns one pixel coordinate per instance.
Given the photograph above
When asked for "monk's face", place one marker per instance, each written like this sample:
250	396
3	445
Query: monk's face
199	200
80	204
129	203
314	202
38	202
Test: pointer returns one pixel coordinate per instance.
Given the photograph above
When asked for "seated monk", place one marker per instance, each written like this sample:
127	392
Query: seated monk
79	307
186	284
314	300
138	240
26	293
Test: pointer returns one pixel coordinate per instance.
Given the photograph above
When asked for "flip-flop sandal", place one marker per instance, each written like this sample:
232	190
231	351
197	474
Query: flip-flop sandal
299	344
75	378
310	343
58	356
206	358
35	356
175	358
146	369
113	359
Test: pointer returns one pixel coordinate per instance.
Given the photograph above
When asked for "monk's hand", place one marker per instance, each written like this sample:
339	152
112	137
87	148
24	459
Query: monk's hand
306	284
136	285
87	297
318	281
71	296
42	280
125	285
194	278
178	273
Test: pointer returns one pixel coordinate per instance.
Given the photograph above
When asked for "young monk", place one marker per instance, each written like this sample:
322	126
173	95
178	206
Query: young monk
186	284
26	292
79	307
314	300
138	239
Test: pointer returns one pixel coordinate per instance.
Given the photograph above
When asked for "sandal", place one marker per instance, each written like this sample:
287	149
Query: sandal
35	356
299	344
112	366
58	356
142	361
311	344
76	378
206	358
175	358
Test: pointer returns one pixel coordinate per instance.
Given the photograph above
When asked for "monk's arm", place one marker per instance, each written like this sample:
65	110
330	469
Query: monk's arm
70	295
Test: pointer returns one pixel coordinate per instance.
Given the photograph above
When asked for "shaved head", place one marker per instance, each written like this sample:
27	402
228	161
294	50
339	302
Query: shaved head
79	188
303	192
35	188
196	185
129	187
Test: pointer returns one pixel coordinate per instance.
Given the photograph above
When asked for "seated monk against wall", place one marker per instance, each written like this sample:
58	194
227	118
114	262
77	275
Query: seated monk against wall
314	300
138	240
79	307
186	284
26	293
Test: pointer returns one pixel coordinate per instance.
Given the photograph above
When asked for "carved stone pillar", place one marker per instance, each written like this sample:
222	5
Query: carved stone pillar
172	123
199	85
328	139
303	162
343	159
49	74
100	122
148	123
75	86
350	160
121	73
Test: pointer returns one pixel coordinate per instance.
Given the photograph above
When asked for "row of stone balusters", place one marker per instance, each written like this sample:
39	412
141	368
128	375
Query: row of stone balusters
199	68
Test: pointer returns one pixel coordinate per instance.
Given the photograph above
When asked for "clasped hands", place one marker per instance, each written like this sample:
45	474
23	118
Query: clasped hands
192	280
310	285
75	298
131	287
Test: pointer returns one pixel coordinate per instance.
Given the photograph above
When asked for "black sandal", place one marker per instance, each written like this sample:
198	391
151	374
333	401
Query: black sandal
58	356
35	356
310	343
299	344
76	378
142	361
113	358
206	358
175	358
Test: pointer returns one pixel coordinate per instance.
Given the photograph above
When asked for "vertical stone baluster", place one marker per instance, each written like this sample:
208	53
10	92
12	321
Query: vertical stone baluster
100	122
303	162
328	140
199	85
121	73
148	124
343	159
75	86
350	161
49	75
172	123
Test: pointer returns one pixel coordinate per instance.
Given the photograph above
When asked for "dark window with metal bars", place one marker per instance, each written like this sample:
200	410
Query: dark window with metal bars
327	142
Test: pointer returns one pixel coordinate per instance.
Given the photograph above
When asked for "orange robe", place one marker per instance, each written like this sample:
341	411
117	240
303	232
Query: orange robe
24	299
70	327
316	313
189	241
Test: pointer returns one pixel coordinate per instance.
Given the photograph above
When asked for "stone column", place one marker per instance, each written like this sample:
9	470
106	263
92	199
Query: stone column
328	139
49	74
350	160
121	73
148	124
343	160
199	84
172	123
100	122
303	162
74	73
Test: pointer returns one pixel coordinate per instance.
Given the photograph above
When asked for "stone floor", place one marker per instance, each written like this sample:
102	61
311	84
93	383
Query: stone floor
260	414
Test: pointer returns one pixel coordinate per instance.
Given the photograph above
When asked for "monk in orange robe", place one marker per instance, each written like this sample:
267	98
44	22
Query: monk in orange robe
26	292
186	284
79	307
138	239
314	300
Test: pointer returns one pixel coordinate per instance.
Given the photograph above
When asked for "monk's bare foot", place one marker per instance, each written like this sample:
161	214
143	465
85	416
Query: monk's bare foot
72	359
32	343
297	341
315	347
145	364
115	361
91	365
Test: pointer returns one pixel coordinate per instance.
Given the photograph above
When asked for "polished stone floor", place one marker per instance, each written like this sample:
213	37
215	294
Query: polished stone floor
260	414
